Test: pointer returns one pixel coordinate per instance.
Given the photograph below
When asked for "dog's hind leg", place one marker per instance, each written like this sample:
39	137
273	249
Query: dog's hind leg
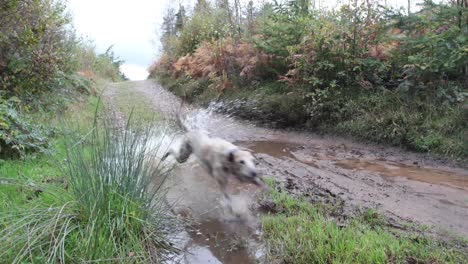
182	155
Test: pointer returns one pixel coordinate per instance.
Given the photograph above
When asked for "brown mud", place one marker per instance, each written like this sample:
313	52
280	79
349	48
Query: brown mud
402	185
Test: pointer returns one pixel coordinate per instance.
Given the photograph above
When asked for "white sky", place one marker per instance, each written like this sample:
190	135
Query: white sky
131	25
128	25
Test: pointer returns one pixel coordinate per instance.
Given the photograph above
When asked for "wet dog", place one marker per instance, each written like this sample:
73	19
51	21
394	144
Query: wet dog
221	158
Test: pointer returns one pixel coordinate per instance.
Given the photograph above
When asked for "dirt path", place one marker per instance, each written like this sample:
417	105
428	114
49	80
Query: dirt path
400	184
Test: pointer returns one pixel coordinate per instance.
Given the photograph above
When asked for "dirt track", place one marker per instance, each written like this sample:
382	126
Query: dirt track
400	184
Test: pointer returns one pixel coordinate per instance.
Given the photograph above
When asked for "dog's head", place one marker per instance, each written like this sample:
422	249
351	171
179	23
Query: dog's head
242	164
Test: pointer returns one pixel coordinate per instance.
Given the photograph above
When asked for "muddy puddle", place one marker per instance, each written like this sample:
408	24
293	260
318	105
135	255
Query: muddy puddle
277	149
216	241
390	170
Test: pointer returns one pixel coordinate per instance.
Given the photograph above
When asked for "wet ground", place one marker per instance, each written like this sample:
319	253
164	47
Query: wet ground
402	185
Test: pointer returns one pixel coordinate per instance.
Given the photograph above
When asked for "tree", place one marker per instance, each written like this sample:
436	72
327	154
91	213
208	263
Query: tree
180	18
168	27
250	17
201	5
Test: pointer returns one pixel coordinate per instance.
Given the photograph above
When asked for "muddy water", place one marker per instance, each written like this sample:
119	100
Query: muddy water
379	167
215	241
399	184
281	150
272	148
414	173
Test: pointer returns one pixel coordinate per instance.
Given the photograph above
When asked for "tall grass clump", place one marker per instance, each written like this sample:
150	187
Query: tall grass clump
111	208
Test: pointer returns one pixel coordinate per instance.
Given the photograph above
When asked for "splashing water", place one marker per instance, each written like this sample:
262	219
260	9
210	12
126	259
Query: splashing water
208	121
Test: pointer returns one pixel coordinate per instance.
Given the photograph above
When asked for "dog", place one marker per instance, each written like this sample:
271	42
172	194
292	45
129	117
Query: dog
220	158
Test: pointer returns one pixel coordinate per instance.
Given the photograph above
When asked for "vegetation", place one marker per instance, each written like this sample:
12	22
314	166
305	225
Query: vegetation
43	65
362	69
78	193
301	233
94	199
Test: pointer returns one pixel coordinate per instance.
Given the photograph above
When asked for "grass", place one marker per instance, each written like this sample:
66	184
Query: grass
127	101
92	200
418	124
301	233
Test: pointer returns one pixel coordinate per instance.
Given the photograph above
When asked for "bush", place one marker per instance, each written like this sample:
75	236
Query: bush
18	136
36	49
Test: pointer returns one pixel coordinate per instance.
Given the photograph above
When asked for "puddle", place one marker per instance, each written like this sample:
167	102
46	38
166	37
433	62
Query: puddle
392	169
272	148
277	149
213	241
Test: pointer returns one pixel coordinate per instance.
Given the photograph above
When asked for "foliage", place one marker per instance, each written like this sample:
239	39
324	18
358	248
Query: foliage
436	47
92	65
18	136
335	63
35	46
301	233
223	62
425	126
42	67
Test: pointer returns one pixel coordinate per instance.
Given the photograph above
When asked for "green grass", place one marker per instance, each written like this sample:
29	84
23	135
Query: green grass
45	167
127	101
92	199
300	233
424	126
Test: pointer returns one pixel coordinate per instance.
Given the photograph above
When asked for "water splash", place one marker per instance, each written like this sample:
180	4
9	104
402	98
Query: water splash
209	121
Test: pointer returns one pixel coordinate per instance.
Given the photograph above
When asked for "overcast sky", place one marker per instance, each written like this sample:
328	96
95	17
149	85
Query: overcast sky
128	25
131	25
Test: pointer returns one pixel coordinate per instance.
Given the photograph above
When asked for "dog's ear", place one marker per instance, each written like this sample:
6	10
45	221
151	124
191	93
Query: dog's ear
231	156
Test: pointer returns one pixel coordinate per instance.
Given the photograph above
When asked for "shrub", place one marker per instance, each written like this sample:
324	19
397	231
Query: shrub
227	57
434	48
35	49
18	136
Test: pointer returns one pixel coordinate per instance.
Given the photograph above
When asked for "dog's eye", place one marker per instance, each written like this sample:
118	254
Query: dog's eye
241	162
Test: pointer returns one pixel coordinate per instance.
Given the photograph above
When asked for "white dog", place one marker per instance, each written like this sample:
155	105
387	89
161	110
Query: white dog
220	158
